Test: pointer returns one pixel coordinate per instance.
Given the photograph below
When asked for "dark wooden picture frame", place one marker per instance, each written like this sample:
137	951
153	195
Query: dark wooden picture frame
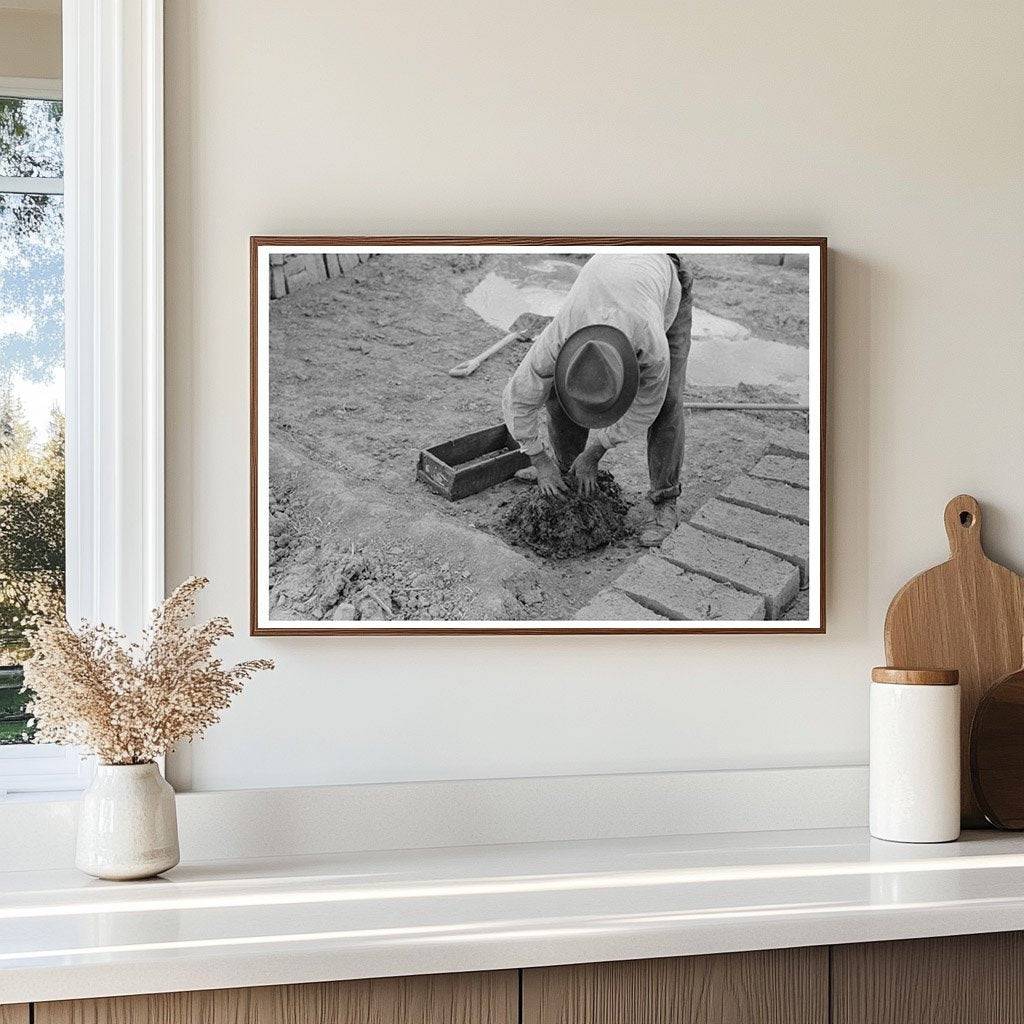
512	627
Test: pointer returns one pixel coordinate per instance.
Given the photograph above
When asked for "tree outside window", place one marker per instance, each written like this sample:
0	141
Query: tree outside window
32	553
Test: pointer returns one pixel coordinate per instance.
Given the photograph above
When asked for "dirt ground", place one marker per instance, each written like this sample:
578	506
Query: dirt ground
770	301
359	384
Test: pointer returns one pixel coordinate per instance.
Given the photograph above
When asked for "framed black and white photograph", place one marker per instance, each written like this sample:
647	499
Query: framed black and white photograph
537	435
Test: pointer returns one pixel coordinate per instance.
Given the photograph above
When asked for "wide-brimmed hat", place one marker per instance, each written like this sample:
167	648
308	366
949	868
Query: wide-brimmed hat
596	375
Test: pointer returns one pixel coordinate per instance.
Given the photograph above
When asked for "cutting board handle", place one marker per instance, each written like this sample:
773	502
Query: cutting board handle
963	526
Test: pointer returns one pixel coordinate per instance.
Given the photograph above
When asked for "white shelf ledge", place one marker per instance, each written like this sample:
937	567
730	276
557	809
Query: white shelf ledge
353	915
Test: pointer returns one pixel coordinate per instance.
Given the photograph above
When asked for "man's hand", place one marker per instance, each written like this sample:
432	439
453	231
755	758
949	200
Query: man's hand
549	478
584	468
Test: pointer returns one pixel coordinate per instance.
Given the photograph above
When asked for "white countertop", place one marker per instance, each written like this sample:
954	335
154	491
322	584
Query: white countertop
262	922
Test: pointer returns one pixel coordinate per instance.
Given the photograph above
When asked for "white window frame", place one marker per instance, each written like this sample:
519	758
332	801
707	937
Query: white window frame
31	89
114	324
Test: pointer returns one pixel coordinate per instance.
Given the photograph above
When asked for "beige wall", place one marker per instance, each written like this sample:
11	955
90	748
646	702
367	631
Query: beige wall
30	43
895	129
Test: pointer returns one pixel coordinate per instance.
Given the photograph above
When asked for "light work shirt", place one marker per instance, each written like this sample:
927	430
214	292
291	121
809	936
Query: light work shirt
638	293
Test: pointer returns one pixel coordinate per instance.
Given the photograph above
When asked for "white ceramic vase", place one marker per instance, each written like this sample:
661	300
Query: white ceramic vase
127	825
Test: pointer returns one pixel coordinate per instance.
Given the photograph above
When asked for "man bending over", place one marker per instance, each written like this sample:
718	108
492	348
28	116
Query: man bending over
610	366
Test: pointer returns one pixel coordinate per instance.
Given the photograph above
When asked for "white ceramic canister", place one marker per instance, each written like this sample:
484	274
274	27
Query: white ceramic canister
915	755
127	824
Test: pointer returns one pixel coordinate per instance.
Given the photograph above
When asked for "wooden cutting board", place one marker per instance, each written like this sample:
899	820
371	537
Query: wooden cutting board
967	614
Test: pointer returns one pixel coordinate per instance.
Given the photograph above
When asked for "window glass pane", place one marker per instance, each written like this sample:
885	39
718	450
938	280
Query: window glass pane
31	433
31	138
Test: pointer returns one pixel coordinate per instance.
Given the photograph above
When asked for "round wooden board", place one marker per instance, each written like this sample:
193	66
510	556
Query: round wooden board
997	753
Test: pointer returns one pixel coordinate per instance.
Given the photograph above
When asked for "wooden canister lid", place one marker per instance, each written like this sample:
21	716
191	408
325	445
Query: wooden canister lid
916	676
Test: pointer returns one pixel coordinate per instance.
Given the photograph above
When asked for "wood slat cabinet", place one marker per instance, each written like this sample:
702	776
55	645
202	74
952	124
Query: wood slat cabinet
775	986
962	979
482	998
970	979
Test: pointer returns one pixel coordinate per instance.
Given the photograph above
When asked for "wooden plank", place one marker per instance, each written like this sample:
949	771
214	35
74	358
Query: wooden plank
770	497
486	472
297	279
728	561
435	474
315	266
960	979
462	481
480	998
14	1013
777	536
472	446
778	986
278	288
686	596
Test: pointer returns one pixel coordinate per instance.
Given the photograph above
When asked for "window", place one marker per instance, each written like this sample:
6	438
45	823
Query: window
32	548
103	192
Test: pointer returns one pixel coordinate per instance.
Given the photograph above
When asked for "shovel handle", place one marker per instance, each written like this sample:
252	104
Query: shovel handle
465	368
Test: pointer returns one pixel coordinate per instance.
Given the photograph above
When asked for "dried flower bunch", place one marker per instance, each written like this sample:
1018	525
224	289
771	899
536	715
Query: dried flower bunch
129	703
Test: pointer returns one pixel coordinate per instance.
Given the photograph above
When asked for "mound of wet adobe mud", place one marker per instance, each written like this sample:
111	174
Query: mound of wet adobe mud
567	527
316	576
368	583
